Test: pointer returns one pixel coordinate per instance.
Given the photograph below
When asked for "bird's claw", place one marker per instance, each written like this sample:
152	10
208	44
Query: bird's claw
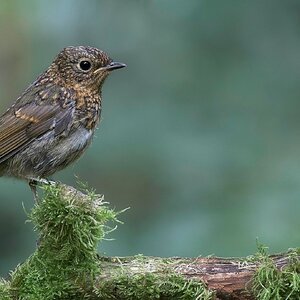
33	182
37	181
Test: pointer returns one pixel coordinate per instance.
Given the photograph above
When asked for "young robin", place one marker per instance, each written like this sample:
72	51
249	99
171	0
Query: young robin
52	123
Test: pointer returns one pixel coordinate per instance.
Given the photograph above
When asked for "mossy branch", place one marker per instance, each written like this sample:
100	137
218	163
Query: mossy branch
66	264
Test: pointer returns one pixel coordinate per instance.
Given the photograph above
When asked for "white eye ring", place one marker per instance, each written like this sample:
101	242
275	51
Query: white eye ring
85	65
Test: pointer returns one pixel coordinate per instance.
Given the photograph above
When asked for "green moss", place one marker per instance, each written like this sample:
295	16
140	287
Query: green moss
4	290
271	283
65	264
149	286
140	277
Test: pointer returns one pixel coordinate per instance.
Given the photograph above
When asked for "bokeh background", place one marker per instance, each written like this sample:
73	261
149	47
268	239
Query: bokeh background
200	135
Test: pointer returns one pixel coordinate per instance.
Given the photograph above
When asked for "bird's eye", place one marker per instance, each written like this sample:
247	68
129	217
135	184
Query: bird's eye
85	65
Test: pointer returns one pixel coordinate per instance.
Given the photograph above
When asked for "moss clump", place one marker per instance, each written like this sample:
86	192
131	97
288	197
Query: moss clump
271	283
140	277
149	286
65	264
4	290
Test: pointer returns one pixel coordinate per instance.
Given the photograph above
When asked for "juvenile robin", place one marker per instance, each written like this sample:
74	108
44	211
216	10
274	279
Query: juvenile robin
52	123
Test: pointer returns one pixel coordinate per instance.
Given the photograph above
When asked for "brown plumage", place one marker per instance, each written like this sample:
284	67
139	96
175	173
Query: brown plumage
53	121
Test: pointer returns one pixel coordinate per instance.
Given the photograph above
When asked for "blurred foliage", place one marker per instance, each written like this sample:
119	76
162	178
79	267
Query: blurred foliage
200	134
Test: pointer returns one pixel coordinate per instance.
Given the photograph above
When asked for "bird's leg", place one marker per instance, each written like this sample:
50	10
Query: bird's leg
33	182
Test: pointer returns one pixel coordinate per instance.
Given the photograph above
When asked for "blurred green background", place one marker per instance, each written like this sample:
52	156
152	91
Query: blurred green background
200	135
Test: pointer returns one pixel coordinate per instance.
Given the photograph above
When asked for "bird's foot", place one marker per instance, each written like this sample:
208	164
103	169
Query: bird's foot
33	182
38	180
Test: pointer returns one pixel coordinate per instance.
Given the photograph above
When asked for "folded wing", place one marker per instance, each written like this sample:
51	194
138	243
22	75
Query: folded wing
20	125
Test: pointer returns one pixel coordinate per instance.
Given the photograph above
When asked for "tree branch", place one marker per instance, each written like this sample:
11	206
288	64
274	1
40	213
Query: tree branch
66	264
229	278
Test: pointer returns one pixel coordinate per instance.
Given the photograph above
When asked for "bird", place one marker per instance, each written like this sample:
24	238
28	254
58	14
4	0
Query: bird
53	121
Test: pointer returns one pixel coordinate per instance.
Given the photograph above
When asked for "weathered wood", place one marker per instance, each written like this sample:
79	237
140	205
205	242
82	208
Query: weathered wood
230	278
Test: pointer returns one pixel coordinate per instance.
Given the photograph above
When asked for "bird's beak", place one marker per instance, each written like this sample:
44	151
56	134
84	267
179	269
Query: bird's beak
114	65
111	66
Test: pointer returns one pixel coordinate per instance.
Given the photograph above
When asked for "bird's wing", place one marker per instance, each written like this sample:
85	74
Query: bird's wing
23	123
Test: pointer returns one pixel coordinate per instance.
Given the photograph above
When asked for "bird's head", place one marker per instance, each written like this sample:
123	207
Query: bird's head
84	67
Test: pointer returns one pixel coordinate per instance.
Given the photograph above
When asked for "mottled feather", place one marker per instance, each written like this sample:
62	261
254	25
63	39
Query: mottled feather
26	122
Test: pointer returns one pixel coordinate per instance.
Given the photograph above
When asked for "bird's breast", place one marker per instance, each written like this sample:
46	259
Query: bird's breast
88	110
